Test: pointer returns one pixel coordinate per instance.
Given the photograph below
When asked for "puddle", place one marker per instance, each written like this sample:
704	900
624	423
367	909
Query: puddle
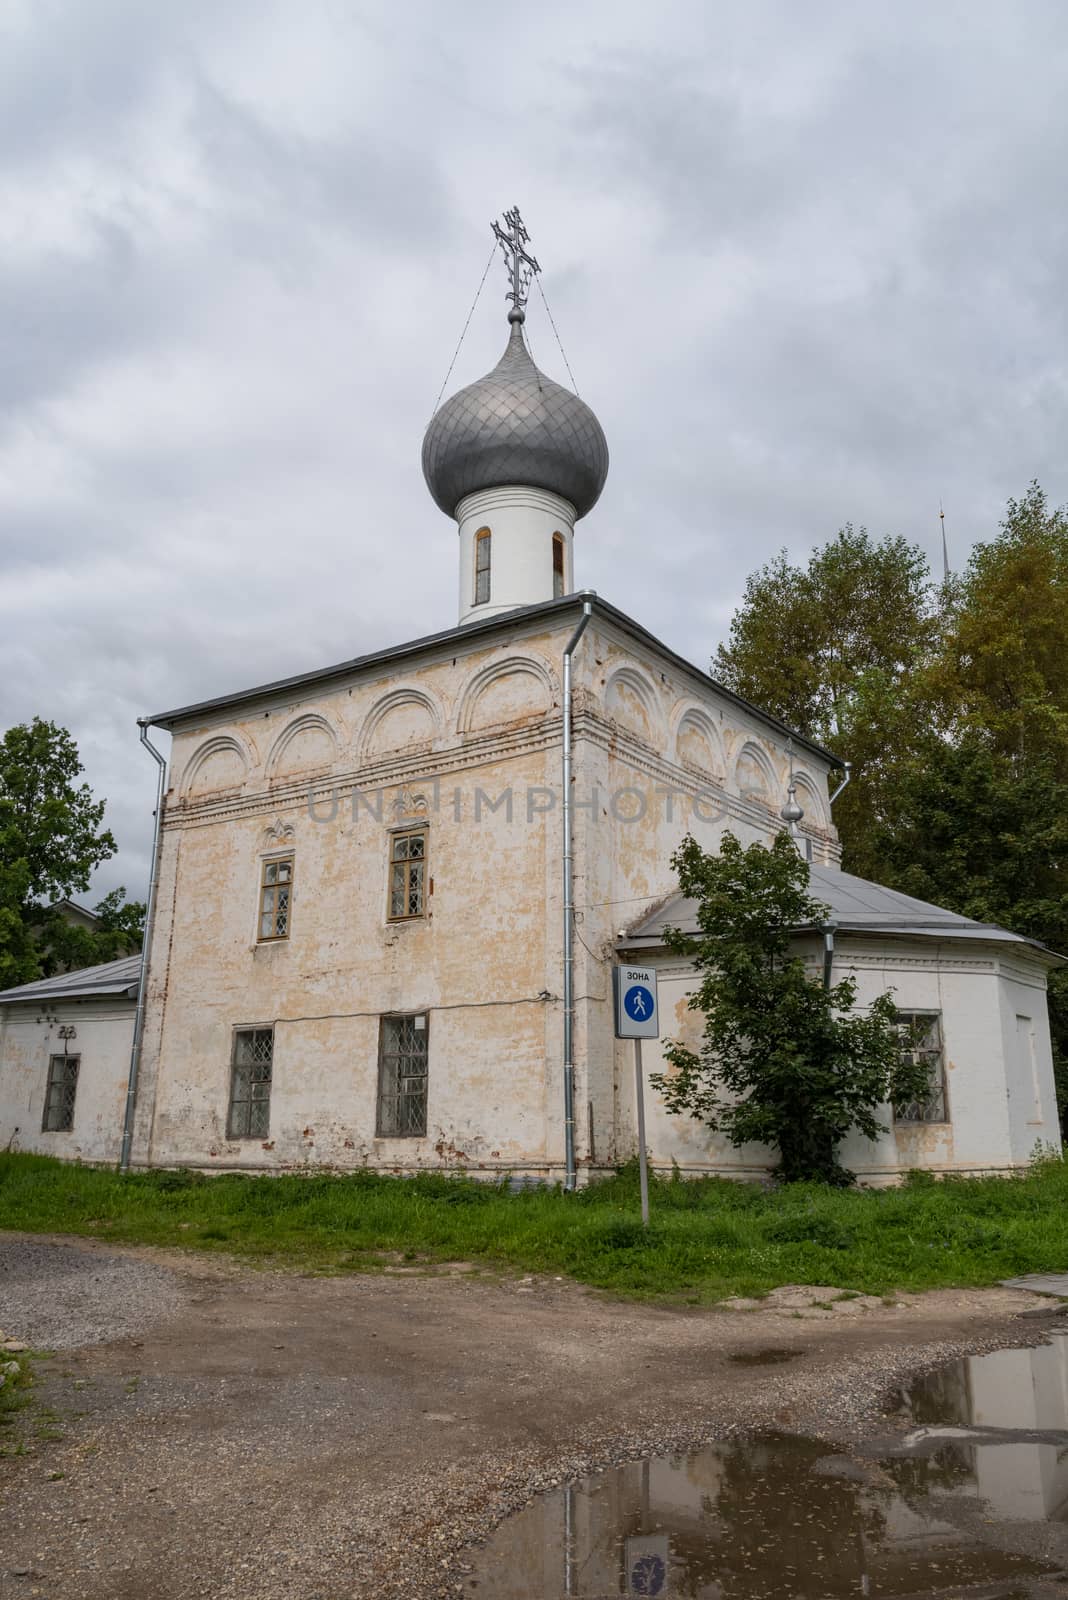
947	1506
763	1358
993	1428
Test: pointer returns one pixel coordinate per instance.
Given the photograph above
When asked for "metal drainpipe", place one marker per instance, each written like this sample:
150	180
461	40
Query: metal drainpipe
847	767
569	912
146	950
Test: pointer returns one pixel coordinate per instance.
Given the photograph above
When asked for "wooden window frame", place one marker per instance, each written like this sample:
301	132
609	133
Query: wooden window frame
939	1096
559	566
483	541
390	1110
267	904
61	1092
406	863
256	1082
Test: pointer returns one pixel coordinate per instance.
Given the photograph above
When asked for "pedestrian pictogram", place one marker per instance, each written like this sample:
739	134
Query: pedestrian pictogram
638	1003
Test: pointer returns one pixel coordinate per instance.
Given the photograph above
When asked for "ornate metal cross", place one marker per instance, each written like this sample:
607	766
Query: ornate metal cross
522	266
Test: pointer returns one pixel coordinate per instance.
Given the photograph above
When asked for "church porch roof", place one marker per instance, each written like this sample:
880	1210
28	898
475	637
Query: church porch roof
856	906
111	978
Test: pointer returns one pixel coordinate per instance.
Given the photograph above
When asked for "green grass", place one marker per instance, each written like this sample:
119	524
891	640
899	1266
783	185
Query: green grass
14	1397
709	1237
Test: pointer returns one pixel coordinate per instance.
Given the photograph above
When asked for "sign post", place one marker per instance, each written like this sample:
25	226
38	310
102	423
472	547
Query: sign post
637	1018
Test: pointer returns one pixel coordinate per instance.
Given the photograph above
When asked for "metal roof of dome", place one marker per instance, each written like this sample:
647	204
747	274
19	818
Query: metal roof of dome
515	426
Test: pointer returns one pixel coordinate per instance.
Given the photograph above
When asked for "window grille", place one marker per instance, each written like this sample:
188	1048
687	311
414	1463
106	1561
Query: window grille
558	565
921	1040
276	898
483	540
407	875
60	1094
402	1077
250	1083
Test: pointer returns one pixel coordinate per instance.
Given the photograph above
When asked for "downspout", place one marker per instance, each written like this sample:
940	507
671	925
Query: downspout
847	767
569	911
146	950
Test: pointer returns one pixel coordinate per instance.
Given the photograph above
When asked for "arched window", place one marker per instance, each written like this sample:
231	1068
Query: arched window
558	565
482	566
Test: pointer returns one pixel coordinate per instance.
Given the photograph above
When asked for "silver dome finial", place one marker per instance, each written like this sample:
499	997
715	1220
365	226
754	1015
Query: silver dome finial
791	812
515	426
520	263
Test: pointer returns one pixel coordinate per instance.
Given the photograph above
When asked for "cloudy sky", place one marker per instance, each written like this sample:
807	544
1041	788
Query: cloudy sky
808	263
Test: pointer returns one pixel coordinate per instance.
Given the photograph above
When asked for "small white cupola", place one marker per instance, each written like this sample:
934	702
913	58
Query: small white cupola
516	459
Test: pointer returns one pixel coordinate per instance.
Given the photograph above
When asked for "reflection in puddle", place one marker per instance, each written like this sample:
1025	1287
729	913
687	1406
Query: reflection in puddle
971	1416
781	1516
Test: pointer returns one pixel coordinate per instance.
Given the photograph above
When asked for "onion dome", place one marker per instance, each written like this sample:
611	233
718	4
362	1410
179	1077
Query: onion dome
515	426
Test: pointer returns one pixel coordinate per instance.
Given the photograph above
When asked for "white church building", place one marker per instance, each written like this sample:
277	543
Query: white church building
388	894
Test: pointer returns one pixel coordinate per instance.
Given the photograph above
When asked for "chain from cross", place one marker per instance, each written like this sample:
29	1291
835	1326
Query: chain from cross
520	263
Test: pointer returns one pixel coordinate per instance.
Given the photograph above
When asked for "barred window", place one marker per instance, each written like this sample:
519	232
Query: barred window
921	1040
59	1095
276	898
407	875
402	1076
250	1084
558	565
483	540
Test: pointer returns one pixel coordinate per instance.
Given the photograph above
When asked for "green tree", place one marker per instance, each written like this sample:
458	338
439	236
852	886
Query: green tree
119	931
952	704
1005	655
985	833
976	818
807	641
784	1061
839	649
51	841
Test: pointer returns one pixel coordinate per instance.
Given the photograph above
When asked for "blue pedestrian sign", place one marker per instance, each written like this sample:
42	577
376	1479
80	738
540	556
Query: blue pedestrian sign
636	1010
647	1557
638	1003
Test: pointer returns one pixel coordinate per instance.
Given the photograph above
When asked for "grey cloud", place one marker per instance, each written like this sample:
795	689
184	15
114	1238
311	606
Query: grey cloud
808	265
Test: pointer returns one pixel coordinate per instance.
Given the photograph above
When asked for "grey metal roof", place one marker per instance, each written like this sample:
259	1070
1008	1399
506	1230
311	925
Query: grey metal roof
856	906
112	977
515	426
501	622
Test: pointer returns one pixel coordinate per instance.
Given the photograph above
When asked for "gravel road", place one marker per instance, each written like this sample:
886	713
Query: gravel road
57	1296
229	1433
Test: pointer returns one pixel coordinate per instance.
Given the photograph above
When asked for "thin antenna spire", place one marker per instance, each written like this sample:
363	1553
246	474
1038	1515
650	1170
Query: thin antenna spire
945	547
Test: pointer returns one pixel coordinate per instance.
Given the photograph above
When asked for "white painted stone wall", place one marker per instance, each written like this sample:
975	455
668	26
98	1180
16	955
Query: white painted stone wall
522	523
661	753
29	1036
470	717
996	1116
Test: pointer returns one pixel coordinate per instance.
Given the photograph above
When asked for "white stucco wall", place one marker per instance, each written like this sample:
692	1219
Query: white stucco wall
472	714
1000	1101
29	1036
522	523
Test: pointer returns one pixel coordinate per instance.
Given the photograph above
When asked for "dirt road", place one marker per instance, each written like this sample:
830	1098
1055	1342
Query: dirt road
263	1434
